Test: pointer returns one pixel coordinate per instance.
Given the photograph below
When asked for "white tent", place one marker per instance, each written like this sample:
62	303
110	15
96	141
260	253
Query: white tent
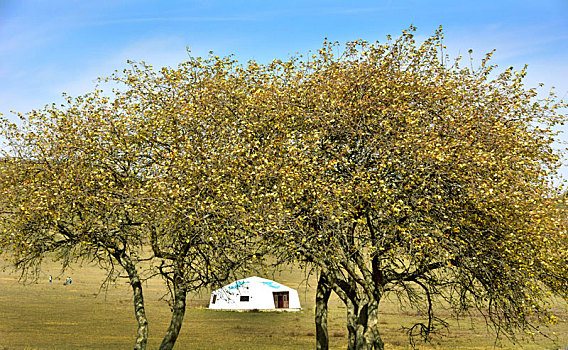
254	293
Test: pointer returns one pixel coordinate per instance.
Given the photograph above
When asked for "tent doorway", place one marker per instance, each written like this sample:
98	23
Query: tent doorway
281	300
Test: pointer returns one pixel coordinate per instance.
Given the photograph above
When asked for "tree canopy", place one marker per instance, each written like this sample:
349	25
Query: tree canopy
143	181
409	176
390	168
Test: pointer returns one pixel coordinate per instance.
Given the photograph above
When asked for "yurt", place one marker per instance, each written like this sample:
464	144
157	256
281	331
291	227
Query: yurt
255	293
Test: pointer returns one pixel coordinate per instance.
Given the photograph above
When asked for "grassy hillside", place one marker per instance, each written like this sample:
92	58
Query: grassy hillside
54	316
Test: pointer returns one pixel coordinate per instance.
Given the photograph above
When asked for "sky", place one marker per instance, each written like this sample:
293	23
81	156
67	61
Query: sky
56	46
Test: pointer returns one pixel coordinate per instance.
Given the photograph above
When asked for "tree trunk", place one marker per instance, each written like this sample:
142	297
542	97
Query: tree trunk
323	292
139	308
178	312
362	325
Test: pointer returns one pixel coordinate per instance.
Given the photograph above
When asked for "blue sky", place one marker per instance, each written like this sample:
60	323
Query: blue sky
55	46
50	47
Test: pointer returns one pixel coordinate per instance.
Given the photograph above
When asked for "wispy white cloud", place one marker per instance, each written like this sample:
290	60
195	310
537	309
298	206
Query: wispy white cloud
538	46
111	21
46	83
18	35
509	42
347	10
158	51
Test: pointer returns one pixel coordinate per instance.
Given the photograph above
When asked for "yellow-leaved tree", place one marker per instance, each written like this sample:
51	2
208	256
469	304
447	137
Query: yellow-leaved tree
146	181
389	169
412	177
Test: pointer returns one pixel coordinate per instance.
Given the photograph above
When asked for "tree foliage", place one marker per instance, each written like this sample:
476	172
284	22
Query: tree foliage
391	169
71	188
144	180
410	177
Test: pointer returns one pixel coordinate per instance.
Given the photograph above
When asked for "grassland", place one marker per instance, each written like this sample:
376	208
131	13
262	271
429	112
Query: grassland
54	316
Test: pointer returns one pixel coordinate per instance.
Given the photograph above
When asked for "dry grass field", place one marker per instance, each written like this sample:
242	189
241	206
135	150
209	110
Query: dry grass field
54	316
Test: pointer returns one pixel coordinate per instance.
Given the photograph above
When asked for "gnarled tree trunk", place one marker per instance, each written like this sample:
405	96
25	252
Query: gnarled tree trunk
139	308
323	292
178	313
362	315
362	325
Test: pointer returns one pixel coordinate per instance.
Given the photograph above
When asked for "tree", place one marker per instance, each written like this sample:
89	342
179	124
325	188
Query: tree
196	121
147	175
71	188
410	177
388	170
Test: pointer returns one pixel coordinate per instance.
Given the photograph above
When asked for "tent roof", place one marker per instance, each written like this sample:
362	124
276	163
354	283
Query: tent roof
256	283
